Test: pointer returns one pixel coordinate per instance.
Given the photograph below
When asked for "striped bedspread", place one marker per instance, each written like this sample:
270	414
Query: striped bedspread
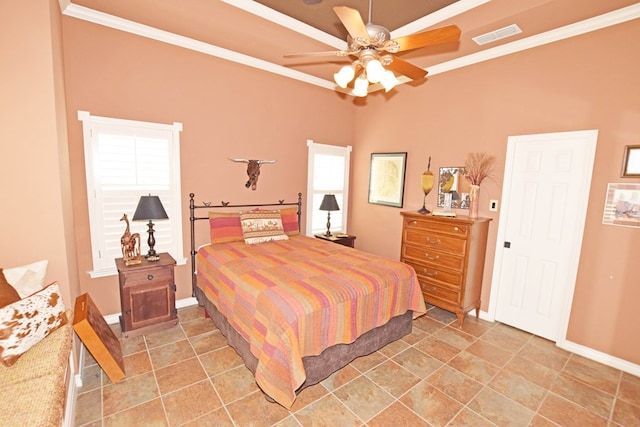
296	297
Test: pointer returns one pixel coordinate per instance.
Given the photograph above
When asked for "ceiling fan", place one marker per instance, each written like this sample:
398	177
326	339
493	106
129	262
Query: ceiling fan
373	49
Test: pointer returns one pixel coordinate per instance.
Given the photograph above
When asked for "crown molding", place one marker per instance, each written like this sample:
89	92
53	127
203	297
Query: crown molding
592	24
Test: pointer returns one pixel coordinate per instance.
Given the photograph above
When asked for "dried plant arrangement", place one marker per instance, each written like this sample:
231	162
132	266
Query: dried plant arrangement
478	167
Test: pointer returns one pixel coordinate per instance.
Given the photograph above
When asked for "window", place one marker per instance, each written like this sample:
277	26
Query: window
328	173
126	159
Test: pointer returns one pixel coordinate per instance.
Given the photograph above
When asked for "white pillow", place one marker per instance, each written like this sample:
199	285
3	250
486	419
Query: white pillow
27	279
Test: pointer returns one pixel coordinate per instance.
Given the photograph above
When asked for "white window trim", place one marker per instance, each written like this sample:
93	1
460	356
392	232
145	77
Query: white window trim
88	122
333	150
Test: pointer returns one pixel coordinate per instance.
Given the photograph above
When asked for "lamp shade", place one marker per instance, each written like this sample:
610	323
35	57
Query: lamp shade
329	203
149	207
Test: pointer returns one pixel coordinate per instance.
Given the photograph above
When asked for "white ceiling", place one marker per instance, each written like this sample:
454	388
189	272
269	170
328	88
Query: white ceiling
253	34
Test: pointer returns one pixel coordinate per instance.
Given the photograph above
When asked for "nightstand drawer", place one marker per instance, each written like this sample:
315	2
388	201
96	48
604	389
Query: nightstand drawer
135	277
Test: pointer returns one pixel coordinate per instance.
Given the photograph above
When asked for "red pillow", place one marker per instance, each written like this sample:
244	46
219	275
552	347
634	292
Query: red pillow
225	227
290	221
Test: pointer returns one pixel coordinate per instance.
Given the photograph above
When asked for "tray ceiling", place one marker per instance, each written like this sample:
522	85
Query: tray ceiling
259	33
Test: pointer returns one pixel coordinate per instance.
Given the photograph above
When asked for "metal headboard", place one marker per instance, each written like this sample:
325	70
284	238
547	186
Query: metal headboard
207	205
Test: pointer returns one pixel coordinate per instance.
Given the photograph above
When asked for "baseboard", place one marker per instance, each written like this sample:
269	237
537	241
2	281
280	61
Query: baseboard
112	319
604	358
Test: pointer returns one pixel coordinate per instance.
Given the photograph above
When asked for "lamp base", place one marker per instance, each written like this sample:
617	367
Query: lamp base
151	255
154	257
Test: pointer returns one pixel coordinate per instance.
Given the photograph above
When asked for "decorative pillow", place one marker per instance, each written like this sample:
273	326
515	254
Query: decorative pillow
25	323
27	279
7	293
262	226
225	227
290	221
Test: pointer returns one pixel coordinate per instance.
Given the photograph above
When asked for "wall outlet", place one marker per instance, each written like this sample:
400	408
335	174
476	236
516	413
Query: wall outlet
493	205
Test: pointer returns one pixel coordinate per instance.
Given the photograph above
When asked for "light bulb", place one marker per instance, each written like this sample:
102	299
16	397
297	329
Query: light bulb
388	80
375	71
344	76
361	86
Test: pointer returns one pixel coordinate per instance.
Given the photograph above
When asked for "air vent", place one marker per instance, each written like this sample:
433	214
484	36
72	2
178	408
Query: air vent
497	34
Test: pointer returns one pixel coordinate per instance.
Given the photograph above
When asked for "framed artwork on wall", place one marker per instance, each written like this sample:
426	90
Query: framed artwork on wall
622	206
386	178
452	181
631	162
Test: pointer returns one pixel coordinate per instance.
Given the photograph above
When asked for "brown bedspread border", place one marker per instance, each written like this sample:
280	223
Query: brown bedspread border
318	367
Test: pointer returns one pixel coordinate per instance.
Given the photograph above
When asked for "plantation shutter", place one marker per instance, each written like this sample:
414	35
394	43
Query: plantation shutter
125	160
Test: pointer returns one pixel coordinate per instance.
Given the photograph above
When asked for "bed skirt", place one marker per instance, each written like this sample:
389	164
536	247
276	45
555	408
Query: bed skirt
318	367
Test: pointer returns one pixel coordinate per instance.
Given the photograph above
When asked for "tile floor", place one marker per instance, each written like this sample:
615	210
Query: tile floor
484	374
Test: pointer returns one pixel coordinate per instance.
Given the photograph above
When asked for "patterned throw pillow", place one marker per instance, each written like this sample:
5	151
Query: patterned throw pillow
25	323
27	279
262	226
225	227
7	292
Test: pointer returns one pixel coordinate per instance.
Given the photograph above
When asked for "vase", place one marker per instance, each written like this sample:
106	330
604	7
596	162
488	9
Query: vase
474	196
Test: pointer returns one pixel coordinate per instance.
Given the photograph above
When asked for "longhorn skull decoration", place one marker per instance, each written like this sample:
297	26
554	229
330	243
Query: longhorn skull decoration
253	170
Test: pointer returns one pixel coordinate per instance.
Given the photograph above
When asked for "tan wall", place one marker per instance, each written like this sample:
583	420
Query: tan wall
227	110
582	83
587	82
34	174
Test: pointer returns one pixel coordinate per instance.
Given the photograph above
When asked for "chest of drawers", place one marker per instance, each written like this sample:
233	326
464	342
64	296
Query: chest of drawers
448	256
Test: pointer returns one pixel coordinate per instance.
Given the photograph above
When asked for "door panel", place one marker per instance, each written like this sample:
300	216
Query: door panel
543	213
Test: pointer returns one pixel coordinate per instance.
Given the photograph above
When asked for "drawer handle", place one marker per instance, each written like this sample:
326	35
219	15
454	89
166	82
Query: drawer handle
456	229
433	241
433	258
414	223
432	289
429	273
150	277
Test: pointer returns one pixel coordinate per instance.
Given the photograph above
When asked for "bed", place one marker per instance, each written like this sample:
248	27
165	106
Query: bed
295	308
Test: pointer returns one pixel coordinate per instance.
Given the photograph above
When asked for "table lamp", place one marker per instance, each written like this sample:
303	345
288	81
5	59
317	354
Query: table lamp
329	203
150	208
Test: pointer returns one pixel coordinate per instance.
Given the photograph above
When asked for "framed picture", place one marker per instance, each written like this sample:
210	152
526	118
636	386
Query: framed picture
631	161
622	206
452	180
386	178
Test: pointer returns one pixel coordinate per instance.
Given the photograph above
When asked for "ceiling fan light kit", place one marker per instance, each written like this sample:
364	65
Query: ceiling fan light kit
372	47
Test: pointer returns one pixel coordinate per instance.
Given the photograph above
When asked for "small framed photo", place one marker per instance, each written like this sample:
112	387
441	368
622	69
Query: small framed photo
386	178
631	162
622	206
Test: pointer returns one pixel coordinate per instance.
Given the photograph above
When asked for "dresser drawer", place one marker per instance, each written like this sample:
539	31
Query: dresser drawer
431	290
433	257
163	274
431	274
429	240
461	230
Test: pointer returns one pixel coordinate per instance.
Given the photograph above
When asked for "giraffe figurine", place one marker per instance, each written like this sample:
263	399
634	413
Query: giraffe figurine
130	244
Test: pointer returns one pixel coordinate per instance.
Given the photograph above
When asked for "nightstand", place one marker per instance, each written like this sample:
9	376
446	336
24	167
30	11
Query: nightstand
344	240
147	295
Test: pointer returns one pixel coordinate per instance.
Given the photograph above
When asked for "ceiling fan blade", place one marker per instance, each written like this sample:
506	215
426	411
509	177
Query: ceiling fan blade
340	53
352	21
447	34
405	68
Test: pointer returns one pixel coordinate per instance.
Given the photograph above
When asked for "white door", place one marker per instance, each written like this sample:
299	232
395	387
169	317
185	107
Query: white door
545	195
